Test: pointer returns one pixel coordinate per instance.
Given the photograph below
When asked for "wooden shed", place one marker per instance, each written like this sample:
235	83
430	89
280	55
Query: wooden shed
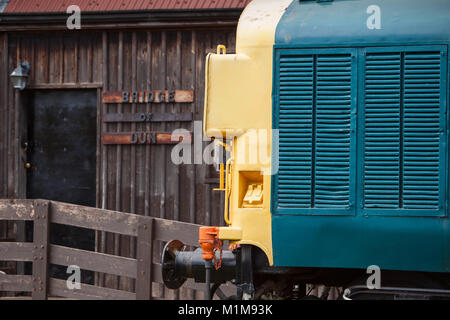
76	133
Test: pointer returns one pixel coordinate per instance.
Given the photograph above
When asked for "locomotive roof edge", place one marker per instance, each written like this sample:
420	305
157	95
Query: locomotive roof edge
349	23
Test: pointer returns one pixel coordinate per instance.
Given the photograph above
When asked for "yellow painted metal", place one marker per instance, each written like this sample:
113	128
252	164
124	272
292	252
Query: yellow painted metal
222	180
227	147
230	233
238	106
227	190
221	49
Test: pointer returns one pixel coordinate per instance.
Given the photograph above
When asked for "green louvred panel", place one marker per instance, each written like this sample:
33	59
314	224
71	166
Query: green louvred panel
382	130
296	126
333	131
316	102
404	156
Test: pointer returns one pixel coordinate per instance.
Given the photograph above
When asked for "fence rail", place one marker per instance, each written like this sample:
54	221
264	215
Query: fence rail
41	253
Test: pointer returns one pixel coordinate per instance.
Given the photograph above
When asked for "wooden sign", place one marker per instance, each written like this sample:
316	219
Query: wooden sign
155	96
145	138
147	117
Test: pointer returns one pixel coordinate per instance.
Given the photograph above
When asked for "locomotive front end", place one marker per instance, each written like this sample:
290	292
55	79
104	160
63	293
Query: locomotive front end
334	114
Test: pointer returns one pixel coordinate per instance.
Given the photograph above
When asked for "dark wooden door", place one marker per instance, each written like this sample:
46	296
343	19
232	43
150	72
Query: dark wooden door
62	154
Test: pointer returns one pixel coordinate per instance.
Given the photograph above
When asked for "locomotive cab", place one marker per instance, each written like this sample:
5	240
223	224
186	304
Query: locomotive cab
335	116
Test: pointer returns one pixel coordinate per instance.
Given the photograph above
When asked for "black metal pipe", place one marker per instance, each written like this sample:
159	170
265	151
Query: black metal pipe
179	265
208	268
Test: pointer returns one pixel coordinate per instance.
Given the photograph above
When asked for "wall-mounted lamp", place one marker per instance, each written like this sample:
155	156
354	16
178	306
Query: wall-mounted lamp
20	74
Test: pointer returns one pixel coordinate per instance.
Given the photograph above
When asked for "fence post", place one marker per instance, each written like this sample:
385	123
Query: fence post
144	258
40	249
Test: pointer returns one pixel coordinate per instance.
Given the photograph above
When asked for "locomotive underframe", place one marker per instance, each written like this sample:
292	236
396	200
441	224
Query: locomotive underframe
247	267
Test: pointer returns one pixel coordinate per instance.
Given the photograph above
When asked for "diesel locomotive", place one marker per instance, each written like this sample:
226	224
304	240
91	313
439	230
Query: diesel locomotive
335	117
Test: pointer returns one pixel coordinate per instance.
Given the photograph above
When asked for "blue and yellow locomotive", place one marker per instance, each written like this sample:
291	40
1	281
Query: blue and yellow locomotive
335	114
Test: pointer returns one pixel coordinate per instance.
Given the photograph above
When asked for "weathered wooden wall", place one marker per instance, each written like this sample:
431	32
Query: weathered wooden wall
3	112
135	179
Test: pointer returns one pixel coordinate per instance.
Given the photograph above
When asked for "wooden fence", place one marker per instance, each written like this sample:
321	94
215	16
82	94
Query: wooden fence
41	253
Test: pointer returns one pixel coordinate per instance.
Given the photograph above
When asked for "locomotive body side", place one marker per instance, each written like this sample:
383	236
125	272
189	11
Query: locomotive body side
336	118
238	103
374	189
336	198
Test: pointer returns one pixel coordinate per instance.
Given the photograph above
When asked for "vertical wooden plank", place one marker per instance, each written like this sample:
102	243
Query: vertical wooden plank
23	136
119	125
176	207
3	126
97	56
192	167
18	50
69	58
11	62
104	155
147	169
4	116
231	39
133	147
163	125
40	65
83	60
162	208
90	58
98	174
47	59
199	92
76	58
17	161
33	73
192	197
7	92
53	59
61	59
155	194
122	184
99	146
141	85
111	239
208	212
25	53
176	186
19	171
208	205
133	125
119	149
105	87
144	259
40	250
13	153
148	128
208	209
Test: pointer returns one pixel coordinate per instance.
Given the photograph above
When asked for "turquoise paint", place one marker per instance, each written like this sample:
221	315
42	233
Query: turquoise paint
356	237
323	149
343	23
